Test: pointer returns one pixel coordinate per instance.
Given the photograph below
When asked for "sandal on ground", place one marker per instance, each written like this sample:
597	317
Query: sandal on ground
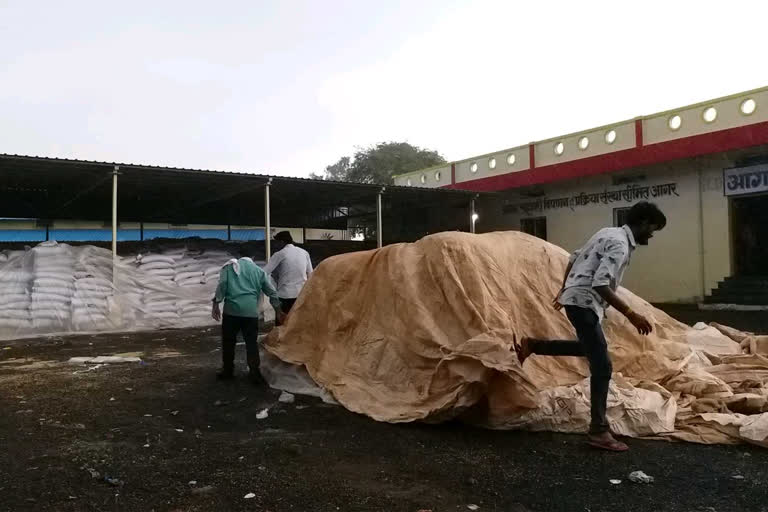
612	446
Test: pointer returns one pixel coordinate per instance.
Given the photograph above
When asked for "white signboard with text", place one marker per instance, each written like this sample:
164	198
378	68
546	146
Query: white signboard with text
745	180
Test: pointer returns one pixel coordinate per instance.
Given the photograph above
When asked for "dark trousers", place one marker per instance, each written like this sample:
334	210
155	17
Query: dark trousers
287	304
592	345
230	326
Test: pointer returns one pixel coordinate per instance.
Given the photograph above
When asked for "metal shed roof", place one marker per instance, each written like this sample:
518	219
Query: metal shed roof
57	188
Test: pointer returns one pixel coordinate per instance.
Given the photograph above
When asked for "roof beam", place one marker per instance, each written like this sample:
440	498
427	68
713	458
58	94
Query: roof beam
229	194
52	212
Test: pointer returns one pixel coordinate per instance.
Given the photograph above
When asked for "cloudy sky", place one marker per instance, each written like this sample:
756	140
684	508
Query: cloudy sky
287	87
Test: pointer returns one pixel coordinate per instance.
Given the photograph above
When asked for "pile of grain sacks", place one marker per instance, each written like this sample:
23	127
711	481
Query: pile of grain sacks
53	276
56	288
15	300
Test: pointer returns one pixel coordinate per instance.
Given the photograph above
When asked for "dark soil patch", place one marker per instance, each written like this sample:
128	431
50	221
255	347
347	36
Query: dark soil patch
62	435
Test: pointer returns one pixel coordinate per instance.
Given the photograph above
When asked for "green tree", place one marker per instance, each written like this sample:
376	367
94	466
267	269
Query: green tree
335	172
378	164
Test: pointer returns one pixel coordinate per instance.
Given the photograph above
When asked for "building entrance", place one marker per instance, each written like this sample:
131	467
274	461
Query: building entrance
749	218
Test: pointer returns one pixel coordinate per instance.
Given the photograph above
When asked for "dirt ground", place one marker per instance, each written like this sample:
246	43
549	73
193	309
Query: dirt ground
163	435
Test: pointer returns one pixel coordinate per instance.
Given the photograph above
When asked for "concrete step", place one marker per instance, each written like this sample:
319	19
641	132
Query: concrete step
746	290
749	300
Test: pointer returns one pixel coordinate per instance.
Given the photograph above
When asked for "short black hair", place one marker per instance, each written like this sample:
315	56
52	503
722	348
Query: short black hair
284	236
645	211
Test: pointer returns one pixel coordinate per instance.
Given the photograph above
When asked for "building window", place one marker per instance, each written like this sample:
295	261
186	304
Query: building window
709	115
536	227
748	107
675	122
620	216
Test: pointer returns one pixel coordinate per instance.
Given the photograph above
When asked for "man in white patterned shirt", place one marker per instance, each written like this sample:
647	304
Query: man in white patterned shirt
591	279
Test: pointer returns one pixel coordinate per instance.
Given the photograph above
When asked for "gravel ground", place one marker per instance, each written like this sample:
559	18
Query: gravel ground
164	435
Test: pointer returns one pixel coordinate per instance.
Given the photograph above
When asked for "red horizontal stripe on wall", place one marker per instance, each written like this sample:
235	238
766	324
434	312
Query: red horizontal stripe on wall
697	145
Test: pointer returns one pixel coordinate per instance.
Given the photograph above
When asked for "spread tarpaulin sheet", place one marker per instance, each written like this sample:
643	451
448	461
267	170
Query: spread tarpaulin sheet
424	332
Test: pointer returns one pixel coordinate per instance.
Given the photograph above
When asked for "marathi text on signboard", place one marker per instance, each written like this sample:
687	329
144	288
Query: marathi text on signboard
745	180
629	194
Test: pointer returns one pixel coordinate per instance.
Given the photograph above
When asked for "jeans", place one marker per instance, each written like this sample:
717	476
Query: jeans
592	345
230	326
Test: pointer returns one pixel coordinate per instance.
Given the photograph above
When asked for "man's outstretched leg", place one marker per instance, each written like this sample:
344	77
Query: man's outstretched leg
529	346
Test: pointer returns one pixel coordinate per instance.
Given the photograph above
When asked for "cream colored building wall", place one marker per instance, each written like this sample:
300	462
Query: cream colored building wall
501	162
597	139
17	224
728	115
656	128
673	267
78	224
717	224
433	177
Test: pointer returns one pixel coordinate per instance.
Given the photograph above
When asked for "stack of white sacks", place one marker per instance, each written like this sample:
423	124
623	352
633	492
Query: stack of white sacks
191	273
93	304
15	297
53	285
158	303
56	288
157	266
179	284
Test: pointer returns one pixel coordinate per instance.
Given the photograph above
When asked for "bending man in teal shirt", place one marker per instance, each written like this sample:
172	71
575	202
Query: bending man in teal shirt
241	283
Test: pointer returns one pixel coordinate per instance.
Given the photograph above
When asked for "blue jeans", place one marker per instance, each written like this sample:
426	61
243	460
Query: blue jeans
592	345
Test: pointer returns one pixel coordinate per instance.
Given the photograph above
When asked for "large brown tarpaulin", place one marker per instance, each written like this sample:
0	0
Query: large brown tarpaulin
424	331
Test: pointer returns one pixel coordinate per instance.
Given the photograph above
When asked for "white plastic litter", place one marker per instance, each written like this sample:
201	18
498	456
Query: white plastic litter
286	398
615	482
263	414
249	496
639	477
104	360
290	378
